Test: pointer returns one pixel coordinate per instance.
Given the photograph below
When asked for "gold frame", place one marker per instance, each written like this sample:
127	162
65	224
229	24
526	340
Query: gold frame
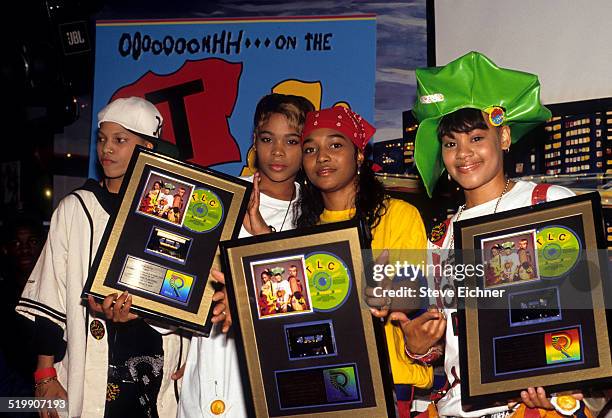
141	158
241	306
471	230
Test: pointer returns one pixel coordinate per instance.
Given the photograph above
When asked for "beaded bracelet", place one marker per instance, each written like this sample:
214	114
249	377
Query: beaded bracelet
44	382
429	357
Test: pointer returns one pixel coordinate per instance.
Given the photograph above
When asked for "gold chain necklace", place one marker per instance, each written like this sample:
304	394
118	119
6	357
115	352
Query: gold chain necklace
462	207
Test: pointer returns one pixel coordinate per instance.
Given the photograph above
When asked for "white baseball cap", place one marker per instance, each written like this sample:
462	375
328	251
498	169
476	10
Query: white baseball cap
140	117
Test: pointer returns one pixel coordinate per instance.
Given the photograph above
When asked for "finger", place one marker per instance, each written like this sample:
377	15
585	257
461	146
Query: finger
122	298
398	316
53	413
251	204
387	283
227	323
218	296
427	316
93	305
126	314
218	318
383	257
542	399
179	373
107	305
255	193
246	222
526	399
219	309
379	313
440	329
125	309
119	305
377	302
533	397
434	326
217	275
578	396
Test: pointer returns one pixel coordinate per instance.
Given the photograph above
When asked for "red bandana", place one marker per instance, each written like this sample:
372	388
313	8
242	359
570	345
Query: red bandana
343	120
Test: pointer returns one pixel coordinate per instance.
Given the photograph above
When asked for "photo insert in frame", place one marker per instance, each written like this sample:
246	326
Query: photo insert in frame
510	259
281	287
165	198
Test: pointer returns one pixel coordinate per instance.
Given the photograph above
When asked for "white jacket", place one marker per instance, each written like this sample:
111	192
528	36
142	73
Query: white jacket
212	371
54	292
519	196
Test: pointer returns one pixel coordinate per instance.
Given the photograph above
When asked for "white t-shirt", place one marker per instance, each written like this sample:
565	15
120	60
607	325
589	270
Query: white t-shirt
282	285
519	196
212	371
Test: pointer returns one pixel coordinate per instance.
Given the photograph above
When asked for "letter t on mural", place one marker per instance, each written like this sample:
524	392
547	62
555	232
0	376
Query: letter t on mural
207	75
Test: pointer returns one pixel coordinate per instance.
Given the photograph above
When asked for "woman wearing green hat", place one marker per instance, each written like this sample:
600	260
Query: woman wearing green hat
470	112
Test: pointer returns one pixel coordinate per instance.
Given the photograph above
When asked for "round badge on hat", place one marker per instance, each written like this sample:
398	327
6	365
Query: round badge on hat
496	115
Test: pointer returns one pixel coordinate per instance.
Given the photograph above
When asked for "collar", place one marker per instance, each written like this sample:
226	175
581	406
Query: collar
329	216
109	201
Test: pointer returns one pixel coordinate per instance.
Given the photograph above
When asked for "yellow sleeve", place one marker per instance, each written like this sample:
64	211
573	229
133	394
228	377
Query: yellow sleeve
403	369
402	228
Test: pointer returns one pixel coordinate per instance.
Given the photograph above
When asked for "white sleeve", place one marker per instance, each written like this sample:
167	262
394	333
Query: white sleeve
558	192
45	292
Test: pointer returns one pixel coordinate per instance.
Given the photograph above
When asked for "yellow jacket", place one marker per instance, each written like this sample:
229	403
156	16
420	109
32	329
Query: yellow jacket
400	228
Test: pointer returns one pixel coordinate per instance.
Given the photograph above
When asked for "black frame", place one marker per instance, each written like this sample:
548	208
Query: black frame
509	220
193	315
255	396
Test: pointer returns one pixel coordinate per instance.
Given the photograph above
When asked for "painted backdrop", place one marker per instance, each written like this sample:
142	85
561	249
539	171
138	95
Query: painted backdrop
206	75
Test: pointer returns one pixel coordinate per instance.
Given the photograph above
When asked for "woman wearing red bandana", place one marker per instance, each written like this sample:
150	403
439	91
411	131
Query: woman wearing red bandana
341	185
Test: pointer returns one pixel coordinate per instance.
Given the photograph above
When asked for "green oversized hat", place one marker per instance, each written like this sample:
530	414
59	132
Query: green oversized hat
277	270
472	81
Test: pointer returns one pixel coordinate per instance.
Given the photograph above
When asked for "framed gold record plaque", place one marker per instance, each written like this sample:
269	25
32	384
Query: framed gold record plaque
306	342
550	325
164	240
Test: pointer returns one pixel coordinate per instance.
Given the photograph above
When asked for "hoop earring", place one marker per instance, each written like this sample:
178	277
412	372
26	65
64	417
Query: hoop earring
449	177
507	150
358	170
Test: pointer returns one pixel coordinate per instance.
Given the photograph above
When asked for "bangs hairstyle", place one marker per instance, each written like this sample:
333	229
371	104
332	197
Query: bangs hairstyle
294	108
461	121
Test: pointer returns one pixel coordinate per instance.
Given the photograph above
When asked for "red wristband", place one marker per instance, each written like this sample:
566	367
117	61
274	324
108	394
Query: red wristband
44	373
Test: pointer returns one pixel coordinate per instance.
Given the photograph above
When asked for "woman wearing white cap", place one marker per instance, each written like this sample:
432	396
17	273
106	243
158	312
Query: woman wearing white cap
121	367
